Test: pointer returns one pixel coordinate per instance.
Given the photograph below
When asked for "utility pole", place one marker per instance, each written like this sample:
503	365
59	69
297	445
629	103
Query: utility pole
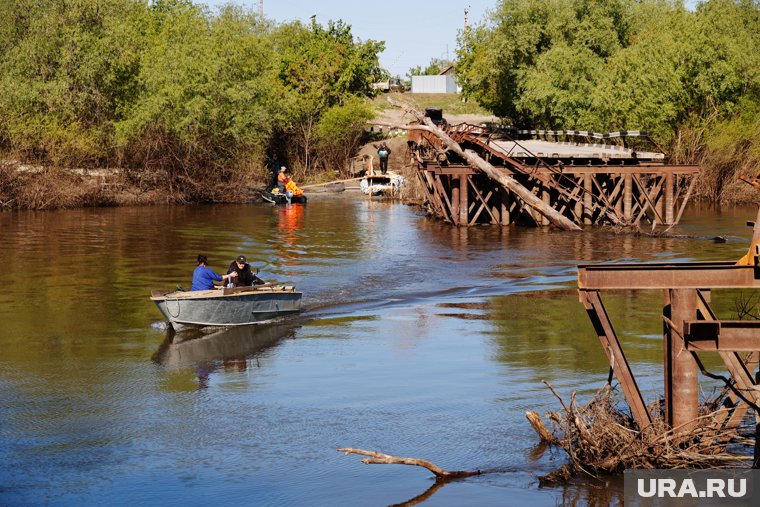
464	32
261	8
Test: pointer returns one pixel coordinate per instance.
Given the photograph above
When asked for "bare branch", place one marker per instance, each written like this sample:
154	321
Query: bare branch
377	458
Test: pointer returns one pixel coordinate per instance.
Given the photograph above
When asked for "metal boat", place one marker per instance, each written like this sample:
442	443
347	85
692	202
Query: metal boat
236	306
381	184
278	198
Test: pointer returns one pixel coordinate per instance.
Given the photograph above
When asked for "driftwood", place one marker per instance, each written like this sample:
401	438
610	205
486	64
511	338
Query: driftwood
477	162
543	432
377	458
599	439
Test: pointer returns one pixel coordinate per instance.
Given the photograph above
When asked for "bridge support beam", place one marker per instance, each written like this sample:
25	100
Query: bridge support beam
681	372
464	202
669	204
455	199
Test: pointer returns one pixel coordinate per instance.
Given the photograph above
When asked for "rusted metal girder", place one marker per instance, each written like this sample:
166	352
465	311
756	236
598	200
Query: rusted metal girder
690	326
741	370
681	371
648	169
592	301
677	275
729	335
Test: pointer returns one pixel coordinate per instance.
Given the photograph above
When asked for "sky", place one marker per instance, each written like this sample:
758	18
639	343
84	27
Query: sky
414	31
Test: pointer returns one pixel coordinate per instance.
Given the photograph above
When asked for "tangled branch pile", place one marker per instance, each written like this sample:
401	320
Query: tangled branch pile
600	439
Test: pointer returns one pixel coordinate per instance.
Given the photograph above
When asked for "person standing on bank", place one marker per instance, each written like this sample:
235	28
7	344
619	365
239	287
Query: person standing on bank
383	153
274	167
204	277
245	276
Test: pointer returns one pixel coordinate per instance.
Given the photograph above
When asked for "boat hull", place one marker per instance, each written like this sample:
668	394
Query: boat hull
219	308
281	199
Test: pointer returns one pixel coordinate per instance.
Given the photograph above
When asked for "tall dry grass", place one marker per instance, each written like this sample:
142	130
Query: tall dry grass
724	150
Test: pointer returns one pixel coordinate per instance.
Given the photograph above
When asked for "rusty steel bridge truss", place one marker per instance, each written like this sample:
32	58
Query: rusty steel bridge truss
587	182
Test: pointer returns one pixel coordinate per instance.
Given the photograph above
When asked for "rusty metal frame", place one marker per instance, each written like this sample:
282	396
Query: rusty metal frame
703	332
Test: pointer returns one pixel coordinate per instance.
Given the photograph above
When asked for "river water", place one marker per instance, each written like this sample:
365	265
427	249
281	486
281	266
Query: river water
417	339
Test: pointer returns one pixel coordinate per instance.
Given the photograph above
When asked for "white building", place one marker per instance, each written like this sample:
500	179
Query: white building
442	83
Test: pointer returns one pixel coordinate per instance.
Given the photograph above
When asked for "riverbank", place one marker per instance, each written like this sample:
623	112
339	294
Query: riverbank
41	187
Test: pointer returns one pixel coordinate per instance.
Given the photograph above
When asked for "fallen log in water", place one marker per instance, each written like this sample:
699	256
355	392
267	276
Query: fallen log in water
377	458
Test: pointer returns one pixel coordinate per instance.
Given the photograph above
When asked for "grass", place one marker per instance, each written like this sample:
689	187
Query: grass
451	103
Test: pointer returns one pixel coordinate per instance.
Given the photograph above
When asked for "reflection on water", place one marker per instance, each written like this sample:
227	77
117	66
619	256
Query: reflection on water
417	339
228	349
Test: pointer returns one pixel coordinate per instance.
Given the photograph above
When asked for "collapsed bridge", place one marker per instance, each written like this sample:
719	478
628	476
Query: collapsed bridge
585	181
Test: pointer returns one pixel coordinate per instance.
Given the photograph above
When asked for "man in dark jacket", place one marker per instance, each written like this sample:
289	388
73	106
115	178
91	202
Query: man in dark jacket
274	168
383	153
244	274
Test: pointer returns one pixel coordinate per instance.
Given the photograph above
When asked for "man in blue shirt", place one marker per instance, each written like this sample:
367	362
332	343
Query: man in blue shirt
204	277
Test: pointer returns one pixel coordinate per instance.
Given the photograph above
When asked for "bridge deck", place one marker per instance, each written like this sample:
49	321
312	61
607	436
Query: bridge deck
532	148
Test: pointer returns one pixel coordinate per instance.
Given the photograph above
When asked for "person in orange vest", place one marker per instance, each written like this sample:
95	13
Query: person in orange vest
282	180
287	186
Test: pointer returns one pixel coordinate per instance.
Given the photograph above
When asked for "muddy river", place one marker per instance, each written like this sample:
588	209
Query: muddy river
417	339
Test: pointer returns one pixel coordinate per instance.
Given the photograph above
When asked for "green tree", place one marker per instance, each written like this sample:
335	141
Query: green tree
66	71
207	89
435	67
170	88
340	130
321	67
